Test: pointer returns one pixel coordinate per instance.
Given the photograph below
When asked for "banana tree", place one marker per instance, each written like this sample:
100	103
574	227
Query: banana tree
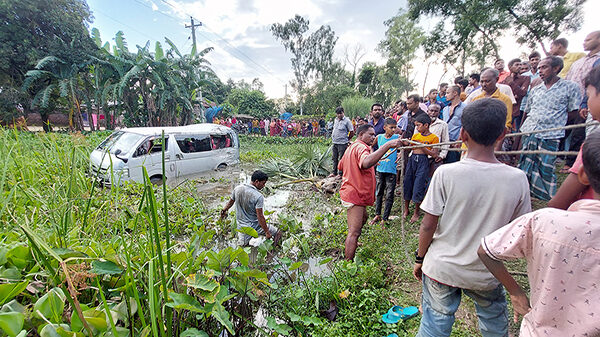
55	76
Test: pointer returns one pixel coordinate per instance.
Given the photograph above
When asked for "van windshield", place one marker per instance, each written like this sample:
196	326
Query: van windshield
120	140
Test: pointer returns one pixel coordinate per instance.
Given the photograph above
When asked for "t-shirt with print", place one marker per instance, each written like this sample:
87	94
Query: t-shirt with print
588	193
473	199
358	185
429	139
247	199
563	264
387	165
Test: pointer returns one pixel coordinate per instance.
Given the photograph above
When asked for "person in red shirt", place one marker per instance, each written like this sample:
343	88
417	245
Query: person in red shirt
358	182
499	65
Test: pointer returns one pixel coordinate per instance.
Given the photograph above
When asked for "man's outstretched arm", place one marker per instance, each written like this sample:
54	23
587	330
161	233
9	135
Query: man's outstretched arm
226	208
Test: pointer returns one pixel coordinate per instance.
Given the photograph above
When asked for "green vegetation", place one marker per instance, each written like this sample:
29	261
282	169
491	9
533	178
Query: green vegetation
78	259
356	106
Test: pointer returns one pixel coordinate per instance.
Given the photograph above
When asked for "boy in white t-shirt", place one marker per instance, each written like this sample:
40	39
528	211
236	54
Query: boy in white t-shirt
471	199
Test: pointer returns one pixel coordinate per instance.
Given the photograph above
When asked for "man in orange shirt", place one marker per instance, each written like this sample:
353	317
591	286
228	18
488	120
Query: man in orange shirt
499	65
358	182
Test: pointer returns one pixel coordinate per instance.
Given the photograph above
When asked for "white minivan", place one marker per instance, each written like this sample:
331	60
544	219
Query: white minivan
189	150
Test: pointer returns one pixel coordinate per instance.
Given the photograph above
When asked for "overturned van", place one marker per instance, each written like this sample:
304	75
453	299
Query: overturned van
189	150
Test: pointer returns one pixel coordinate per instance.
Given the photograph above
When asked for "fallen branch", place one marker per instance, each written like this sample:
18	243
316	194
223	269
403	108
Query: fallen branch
311	180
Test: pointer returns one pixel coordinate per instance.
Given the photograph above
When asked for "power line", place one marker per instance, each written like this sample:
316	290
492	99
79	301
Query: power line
230	45
241	52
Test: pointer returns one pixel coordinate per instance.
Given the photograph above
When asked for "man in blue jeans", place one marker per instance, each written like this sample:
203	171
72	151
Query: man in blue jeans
471	198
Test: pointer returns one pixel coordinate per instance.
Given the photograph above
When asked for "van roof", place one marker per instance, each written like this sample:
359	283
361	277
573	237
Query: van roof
192	128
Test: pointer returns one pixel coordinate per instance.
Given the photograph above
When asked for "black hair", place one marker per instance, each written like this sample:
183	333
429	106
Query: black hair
398	101
593	79
259	175
562	41
423	119
590	155
457	79
498	60
513	61
556	61
455	88
443	85
363	128
414	97
377	104
432	90
484	120
339	109
534	54
475	76
463	82
389	121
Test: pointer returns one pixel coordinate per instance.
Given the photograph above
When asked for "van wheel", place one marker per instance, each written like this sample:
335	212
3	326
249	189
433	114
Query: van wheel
222	167
156	180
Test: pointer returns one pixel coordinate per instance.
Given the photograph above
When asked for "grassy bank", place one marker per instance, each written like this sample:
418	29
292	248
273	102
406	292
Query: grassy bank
141	260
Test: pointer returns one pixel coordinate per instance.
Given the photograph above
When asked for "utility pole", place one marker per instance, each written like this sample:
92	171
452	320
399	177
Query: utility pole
193	27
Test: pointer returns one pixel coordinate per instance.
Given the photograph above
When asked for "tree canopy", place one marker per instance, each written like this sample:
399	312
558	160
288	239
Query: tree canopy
312	54
34	29
469	30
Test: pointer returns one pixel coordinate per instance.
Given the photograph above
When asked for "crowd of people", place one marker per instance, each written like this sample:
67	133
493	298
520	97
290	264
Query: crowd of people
477	204
279	126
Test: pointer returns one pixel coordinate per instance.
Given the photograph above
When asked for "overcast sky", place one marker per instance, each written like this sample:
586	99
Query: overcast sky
246	49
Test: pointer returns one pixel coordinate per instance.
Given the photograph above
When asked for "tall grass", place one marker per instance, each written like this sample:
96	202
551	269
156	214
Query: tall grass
357	106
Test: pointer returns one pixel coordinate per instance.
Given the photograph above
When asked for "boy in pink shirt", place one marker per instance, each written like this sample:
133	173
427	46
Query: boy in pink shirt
563	260
358	182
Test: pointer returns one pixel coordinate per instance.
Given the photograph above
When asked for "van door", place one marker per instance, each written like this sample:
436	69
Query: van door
149	154
194	155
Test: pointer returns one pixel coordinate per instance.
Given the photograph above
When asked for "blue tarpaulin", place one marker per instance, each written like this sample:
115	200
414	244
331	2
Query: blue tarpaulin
286	116
212	112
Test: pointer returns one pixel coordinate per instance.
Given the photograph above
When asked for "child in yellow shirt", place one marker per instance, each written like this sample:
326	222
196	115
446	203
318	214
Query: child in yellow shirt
417	168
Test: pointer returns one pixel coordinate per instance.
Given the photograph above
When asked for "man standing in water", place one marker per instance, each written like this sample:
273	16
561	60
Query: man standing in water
249	209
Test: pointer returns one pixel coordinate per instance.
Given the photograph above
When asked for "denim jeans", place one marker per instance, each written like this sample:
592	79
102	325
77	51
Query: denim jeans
386	185
440	302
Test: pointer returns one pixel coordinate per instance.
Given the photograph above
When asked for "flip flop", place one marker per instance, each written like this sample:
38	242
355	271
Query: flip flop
392	335
407	312
391	317
398	313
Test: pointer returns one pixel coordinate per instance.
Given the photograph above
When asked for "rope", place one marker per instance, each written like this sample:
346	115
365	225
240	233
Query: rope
568	127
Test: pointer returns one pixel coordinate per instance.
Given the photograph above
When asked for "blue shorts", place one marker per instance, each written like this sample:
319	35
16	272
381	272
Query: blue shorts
416	178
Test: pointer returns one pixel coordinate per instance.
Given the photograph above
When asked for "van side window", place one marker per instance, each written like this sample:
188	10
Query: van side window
220	141
150	145
193	144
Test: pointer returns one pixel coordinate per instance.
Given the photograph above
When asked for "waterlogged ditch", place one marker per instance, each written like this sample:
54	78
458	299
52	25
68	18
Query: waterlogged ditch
80	260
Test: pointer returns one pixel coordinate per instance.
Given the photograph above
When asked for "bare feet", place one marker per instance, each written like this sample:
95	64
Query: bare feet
406	213
375	220
331	175
414	218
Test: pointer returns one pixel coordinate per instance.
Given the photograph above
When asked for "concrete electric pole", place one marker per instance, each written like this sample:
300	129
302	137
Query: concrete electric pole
193	27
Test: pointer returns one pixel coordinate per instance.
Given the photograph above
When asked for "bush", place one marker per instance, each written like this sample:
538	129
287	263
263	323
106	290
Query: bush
357	106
